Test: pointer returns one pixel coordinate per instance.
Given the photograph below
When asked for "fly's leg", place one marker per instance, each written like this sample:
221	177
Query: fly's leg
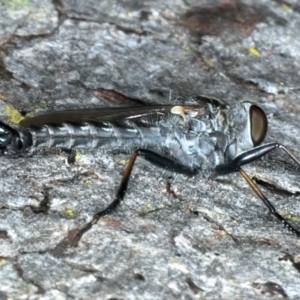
250	156
268	204
113	205
151	156
166	163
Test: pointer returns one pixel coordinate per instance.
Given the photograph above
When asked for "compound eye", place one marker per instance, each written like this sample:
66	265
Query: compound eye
259	125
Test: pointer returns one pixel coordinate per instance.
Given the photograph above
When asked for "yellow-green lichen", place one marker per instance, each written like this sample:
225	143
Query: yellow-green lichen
2	262
14	115
286	7
87	182
123	162
77	156
254	51
15	5
69	213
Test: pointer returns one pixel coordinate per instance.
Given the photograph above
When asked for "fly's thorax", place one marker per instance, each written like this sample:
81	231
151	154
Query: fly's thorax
200	137
207	119
249	127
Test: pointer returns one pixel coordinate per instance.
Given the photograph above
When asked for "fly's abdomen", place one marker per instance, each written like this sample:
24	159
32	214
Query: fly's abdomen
86	135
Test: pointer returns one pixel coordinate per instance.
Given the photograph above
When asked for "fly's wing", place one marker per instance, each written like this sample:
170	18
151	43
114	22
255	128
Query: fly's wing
110	114
93	115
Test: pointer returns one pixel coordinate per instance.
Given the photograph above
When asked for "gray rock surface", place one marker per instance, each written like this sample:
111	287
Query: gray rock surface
206	240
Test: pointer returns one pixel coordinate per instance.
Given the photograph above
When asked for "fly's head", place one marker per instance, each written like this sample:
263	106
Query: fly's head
256	126
251	128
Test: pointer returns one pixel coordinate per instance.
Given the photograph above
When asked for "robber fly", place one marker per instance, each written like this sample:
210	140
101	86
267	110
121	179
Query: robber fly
208	138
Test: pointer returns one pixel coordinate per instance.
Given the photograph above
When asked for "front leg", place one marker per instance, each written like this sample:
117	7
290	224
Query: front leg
248	157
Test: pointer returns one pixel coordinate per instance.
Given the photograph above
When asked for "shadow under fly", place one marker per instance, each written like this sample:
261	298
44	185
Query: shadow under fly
211	138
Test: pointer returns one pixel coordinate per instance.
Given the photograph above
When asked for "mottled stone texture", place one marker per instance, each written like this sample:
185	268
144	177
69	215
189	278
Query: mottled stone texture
207	239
